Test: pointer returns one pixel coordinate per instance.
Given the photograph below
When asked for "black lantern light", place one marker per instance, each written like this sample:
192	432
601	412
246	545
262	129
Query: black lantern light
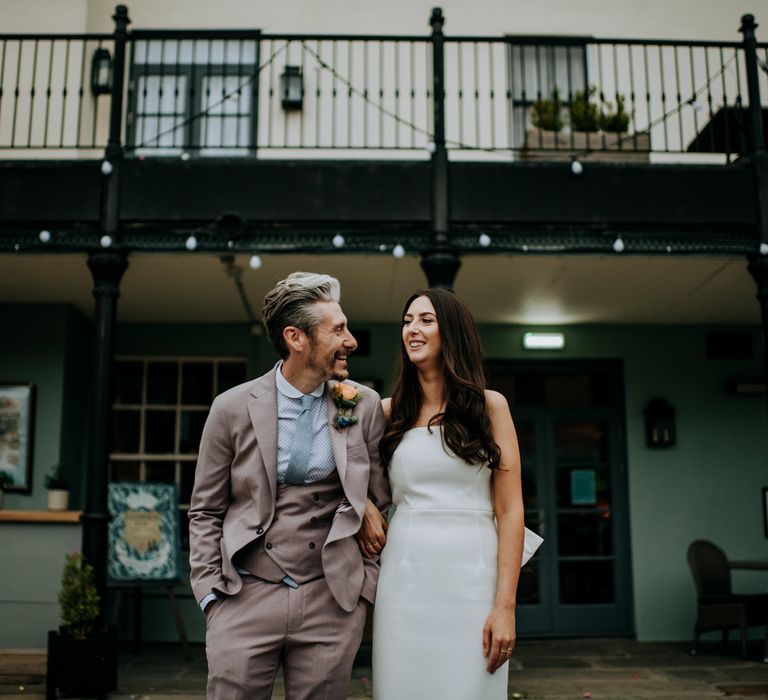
101	72
291	87
659	423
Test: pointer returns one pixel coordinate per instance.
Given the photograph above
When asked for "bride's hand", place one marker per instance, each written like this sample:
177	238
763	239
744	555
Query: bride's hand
499	636
372	535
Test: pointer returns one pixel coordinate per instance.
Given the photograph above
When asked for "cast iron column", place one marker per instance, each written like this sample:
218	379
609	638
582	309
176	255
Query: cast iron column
441	262
107	267
758	154
758	263
113	154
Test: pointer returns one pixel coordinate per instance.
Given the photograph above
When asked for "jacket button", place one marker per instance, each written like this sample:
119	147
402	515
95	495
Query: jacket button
313	519
311	545
315	497
259	530
269	546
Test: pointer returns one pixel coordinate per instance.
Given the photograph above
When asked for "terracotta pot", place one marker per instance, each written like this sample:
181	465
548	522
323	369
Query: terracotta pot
58	499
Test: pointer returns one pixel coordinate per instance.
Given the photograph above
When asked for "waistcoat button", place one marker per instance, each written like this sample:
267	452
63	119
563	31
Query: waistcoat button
311	545
269	546
313	519
259	530
315	497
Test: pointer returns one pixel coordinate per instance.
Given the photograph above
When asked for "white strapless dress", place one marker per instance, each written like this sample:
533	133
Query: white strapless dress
438	578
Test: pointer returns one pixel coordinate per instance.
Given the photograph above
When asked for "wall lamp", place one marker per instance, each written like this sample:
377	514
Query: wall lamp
291	88
101	72
543	341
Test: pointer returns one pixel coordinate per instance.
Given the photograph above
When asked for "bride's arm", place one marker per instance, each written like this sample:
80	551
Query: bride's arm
499	632
372	535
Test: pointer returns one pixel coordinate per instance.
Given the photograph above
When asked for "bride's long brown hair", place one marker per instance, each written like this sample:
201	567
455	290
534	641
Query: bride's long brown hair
465	421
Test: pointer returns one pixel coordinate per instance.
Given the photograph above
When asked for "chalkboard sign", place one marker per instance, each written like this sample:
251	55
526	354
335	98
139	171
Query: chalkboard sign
144	544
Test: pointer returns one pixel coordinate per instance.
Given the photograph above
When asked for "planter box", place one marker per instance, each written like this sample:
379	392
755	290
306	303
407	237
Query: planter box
552	145
81	667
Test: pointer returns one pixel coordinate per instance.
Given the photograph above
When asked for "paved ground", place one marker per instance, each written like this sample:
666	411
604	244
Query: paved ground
602	669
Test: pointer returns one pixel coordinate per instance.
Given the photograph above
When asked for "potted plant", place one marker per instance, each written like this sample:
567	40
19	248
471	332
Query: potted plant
58	489
6	480
599	132
547	113
583	113
81	660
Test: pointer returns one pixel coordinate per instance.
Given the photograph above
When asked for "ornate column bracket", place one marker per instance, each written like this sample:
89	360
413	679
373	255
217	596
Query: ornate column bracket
440	266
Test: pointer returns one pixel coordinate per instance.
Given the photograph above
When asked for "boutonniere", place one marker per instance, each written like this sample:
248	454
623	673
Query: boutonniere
346	397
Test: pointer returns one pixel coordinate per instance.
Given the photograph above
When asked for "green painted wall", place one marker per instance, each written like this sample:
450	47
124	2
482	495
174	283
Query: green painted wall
44	344
708	485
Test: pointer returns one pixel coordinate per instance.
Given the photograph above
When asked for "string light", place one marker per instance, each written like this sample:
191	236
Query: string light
255	262
191	243
106	167
44	236
398	251
106	241
484	240
764	249
576	167
618	245
338	241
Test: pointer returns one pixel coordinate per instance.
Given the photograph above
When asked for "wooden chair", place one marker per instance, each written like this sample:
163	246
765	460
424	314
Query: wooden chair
718	607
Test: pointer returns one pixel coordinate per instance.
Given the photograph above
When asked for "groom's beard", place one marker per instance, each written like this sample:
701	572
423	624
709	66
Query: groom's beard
327	367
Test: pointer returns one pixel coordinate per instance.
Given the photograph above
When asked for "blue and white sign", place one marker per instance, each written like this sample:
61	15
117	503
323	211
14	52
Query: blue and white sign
143	533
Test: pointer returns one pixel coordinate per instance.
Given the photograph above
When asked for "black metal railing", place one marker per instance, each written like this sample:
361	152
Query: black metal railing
45	92
190	93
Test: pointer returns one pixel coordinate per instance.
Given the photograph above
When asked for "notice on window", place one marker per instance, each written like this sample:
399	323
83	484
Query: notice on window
143	533
583	487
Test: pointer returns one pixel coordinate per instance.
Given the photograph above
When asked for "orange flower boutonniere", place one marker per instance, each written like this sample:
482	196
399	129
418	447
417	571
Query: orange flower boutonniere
346	397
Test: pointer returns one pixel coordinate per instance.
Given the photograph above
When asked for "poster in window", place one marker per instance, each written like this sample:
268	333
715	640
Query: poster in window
143	533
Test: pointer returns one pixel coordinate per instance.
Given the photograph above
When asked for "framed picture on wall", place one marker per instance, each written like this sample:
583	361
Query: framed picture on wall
17	414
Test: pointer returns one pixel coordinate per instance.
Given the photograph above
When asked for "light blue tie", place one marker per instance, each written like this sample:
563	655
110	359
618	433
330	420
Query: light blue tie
298	464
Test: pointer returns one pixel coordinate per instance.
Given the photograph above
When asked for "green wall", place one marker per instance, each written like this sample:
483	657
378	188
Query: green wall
708	485
47	345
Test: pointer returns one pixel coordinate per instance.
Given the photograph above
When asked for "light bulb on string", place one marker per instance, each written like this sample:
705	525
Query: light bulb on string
618	245
576	167
398	251
484	240
338	241
44	236
106	241
191	243
255	262
764	248
106	167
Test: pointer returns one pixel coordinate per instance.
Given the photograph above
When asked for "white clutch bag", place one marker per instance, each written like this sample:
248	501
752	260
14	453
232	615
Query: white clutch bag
530	545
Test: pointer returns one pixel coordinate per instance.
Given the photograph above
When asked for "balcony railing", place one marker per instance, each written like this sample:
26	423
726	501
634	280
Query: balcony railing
207	93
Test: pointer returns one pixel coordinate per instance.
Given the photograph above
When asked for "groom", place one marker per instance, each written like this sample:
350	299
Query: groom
285	466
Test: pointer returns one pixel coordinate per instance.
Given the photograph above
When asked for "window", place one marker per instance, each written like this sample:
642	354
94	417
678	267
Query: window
538	69
159	409
194	96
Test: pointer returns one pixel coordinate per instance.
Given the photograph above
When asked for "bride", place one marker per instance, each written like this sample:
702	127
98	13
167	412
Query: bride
444	619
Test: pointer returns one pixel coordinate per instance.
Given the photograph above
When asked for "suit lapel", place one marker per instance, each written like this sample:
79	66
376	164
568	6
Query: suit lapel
262	409
338	437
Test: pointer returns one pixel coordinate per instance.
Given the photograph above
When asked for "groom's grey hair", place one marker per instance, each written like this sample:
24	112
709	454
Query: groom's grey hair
292	303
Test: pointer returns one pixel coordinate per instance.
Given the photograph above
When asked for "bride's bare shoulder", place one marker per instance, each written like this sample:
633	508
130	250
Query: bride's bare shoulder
386	405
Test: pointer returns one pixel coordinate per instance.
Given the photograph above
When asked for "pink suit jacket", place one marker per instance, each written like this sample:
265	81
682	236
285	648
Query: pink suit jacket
233	499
